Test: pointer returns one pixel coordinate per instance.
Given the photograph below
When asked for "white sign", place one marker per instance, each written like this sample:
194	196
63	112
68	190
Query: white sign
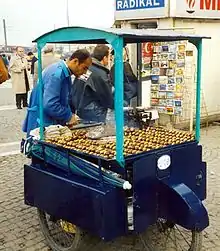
196	8
140	9
164	162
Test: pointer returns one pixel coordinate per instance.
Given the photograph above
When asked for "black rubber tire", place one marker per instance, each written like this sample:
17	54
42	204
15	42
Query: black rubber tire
156	238
82	241
197	241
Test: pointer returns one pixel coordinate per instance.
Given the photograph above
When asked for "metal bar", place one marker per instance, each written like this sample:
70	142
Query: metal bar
68	18
176	28
67	13
68	161
5	34
100	172
40	79
119	99
139	73
198	88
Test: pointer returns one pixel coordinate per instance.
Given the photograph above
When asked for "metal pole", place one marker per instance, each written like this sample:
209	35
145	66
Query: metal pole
198	89
55	45
67	13
5	35
139	73
192	106
119	98
68	17
39	48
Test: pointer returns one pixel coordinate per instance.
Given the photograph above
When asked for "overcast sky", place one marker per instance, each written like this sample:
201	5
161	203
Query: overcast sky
27	19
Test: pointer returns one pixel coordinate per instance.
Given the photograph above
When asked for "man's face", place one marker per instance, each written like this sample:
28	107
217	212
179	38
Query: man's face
30	57
20	52
107	59
79	69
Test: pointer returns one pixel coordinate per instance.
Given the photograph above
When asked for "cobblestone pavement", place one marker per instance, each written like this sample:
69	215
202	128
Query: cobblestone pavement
19	229
10	125
7	95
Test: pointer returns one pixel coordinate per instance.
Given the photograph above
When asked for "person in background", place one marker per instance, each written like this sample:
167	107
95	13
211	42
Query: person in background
18	68
3	71
6	62
56	92
31	60
130	80
48	58
92	93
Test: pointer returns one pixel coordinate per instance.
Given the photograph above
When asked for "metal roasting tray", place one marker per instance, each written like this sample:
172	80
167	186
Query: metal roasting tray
85	125
128	157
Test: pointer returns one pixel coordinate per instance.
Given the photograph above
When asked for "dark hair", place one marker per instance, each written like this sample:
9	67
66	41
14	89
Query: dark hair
30	53
81	55
100	52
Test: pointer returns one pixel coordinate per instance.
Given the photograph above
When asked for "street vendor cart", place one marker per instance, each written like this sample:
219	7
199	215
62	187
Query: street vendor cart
148	182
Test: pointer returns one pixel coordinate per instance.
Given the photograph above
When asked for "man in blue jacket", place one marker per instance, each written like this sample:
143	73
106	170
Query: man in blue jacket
56	92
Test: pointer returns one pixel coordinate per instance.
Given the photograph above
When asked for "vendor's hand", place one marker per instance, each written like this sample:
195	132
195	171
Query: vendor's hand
73	121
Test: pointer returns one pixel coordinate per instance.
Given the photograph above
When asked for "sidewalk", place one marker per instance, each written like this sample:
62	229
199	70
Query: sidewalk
7	96
19	228
10	130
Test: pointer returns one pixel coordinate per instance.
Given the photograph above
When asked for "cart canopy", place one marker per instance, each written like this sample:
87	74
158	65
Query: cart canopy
117	38
96	36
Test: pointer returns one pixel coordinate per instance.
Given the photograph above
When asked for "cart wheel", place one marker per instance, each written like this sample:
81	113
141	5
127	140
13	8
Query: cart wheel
166	236
63	236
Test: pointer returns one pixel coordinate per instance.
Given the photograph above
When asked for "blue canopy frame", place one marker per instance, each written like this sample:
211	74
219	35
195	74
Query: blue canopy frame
117	38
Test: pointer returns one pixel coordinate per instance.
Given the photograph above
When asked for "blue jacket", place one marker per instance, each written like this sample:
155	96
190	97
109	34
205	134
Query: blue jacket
56	96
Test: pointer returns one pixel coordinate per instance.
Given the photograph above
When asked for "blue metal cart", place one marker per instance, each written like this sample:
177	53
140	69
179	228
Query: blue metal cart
168	184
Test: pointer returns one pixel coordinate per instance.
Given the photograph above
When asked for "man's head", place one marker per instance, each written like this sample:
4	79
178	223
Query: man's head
79	62
48	49
20	51
102	54
125	54
30	54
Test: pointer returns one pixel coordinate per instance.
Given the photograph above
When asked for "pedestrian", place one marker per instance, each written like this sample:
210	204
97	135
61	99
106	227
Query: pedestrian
31	60
56	92
18	68
3	71
130	80
48	58
92	93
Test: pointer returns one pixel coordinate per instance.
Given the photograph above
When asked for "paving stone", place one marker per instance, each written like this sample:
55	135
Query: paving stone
10	127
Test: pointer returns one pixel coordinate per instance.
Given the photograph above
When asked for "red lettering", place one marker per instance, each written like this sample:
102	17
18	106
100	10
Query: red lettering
205	4
213	4
210	4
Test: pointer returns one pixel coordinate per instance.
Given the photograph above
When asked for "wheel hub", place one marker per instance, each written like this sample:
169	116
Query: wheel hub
68	227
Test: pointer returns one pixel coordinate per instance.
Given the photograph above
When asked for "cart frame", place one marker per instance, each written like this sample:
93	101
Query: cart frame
161	197
117	38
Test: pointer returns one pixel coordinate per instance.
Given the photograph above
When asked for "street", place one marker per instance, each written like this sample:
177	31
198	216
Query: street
19	228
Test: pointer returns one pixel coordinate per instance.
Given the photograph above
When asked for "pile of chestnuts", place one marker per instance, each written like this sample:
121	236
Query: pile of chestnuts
135	141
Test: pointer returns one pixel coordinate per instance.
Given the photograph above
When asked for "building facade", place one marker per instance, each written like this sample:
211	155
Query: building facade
201	17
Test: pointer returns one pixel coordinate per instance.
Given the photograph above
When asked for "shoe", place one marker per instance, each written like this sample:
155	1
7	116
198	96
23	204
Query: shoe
26	105
19	108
